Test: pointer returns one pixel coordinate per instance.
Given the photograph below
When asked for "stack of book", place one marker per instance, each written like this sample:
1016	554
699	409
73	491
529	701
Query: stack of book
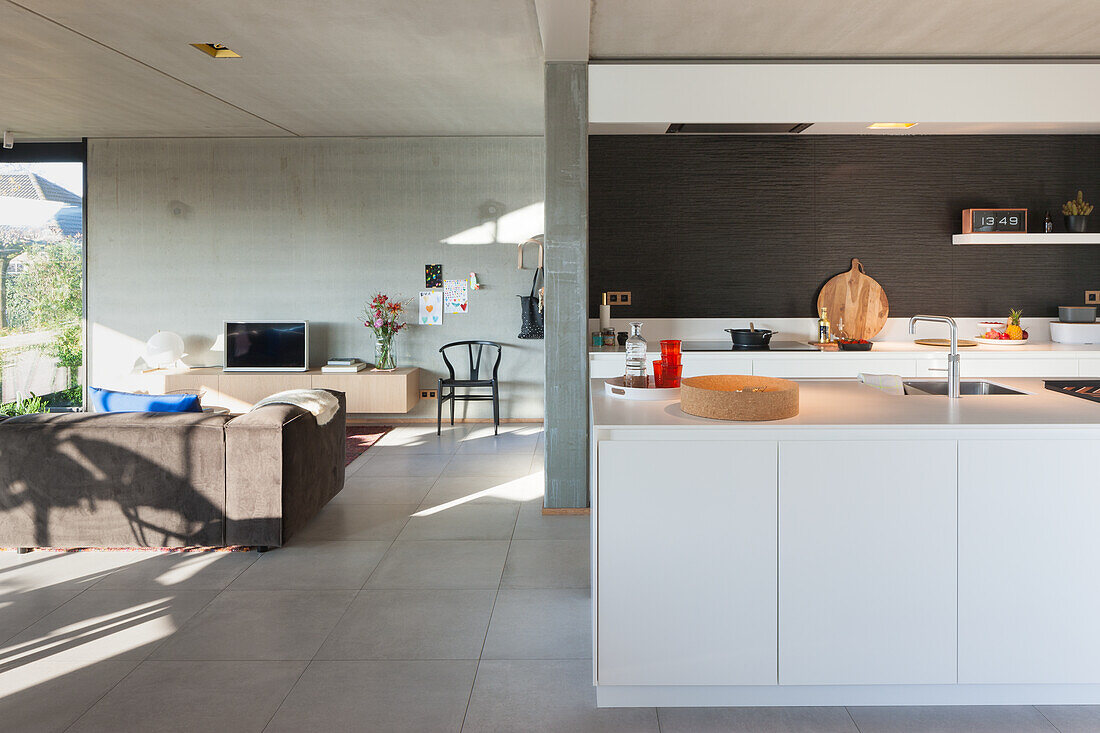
343	365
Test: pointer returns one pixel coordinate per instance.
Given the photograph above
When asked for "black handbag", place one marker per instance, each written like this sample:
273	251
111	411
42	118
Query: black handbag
530	311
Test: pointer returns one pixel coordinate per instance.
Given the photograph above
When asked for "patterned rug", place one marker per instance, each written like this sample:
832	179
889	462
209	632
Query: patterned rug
361	437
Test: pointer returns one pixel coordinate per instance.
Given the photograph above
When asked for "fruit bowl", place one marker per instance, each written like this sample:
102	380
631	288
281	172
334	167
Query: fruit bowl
1001	341
854	344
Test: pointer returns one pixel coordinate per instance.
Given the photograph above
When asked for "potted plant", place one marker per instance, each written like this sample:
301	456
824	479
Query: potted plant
23	406
1076	212
383	316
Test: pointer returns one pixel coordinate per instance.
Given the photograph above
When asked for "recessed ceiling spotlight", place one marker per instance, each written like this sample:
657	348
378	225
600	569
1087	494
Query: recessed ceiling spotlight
217	50
891	125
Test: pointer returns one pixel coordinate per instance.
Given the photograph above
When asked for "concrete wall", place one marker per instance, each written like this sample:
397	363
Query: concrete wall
186	233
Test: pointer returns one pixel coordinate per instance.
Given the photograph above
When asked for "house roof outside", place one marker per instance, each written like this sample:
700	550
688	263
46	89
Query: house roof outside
27	186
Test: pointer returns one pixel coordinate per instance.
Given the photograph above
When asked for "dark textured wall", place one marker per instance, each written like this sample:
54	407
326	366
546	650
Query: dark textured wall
714	226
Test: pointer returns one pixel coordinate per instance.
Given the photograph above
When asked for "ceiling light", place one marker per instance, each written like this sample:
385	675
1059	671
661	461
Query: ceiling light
217	50
891	125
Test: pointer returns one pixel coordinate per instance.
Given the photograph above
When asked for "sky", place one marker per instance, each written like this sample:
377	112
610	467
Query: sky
66	175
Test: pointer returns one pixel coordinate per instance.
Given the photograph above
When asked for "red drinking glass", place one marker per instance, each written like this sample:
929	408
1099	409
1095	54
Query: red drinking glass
658	374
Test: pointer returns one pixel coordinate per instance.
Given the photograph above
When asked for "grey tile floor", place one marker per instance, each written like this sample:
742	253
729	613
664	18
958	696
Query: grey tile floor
430	595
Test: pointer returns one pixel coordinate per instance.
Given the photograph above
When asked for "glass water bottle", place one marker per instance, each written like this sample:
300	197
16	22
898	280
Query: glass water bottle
635	357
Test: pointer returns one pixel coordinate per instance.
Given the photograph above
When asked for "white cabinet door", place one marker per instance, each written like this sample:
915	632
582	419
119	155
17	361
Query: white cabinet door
697	365
867	562
1029	549
823	365
1009	367
686	548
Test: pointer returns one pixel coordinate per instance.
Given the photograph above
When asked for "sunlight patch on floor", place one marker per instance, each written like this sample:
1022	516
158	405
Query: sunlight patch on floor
528	488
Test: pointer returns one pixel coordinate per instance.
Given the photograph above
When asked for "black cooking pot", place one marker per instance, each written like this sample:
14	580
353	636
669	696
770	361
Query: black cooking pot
748	339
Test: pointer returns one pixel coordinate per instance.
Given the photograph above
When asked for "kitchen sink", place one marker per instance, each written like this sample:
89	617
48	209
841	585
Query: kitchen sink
966	388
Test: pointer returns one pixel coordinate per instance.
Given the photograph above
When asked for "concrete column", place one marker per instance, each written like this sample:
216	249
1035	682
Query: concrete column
566	285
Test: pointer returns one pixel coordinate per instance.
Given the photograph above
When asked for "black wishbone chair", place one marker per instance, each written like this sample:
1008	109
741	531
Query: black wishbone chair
475	351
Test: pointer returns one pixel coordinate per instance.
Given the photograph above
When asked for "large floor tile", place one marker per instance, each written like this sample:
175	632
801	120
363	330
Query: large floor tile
756	720
441	564
256	625
540	623
454	490
412	624
534	525
369	489
516	440
163	697
402	463
1073	718
180	571
20	610
355	522
46	568
322	565
547	564
422	438
510	465
951	719
48	695
100	625
462	522
538	696
378	697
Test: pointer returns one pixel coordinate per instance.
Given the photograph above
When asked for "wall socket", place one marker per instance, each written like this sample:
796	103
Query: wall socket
618	297
427	394
1092	297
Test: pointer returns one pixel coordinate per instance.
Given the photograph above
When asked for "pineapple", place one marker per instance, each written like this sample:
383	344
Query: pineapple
1014	331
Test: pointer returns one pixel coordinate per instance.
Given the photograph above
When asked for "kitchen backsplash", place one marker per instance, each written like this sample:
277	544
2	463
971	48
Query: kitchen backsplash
714	226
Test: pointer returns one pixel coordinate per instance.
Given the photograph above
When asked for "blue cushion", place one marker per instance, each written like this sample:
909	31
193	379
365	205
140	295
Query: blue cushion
104	400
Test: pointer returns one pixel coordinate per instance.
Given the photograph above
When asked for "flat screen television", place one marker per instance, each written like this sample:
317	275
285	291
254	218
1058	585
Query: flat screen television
266	346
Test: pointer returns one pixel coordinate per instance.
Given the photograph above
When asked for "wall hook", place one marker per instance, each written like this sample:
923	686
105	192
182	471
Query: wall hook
537	239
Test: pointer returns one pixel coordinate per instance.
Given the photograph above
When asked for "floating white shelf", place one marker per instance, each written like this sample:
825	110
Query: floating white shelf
1014	238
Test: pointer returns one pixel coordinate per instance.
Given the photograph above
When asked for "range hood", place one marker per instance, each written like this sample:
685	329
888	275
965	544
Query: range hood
738	128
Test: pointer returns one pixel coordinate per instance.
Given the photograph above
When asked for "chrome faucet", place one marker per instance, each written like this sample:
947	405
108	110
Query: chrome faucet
953	357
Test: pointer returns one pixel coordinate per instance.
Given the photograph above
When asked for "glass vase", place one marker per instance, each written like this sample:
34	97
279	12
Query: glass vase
385	353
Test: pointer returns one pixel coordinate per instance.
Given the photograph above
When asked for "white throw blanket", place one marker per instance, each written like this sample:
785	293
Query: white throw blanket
321	403
888	383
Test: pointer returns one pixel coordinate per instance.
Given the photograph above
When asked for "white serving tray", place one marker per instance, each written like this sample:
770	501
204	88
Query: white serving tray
614	387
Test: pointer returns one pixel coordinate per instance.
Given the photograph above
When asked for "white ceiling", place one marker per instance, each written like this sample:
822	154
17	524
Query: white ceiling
683	29
121	68
124	68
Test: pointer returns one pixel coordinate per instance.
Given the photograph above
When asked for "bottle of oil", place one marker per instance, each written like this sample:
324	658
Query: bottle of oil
823	327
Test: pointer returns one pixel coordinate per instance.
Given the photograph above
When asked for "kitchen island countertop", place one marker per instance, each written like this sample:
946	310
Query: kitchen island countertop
849	403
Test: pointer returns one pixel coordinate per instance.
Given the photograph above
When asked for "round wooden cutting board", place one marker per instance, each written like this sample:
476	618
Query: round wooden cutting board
858	300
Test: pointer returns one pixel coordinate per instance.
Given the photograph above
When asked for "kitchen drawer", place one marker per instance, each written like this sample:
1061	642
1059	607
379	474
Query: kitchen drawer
697	365
1089	368
825	366
1003	367
606	366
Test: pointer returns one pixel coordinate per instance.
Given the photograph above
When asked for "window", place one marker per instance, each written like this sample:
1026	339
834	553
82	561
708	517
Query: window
41	277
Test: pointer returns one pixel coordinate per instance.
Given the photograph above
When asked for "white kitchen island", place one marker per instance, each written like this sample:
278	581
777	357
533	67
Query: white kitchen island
875	549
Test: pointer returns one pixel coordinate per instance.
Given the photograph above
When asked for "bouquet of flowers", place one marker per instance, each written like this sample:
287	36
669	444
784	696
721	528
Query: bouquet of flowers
383	315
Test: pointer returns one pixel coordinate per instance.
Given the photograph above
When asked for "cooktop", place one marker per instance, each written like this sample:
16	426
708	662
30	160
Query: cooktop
727	346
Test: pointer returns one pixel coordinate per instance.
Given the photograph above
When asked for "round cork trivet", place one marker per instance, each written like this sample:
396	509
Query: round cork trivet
717	396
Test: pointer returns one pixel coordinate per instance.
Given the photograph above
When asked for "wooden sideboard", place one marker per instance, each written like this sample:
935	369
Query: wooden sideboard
367	391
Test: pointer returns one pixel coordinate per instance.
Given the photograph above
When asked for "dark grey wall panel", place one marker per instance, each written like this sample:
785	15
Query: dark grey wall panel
740	226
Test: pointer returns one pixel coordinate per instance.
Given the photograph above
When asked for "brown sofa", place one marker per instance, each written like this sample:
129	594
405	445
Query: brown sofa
166	479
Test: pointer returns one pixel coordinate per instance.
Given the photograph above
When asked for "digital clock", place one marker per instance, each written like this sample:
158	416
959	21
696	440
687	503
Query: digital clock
994	220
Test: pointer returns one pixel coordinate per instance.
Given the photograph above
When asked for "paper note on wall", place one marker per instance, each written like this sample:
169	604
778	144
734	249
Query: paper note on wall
455	296
431	308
